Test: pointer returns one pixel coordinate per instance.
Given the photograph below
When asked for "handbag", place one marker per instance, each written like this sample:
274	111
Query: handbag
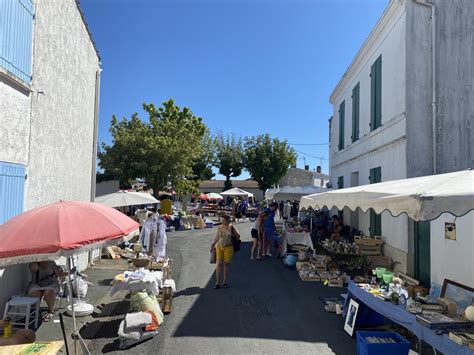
213	256
235	242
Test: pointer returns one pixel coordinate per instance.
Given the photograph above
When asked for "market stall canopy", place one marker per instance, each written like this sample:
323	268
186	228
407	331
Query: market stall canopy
237	192
62	229
292	192
422	198
214	196
126	198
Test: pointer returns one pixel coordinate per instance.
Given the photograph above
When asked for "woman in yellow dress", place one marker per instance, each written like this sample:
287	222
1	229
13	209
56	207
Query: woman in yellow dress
224	249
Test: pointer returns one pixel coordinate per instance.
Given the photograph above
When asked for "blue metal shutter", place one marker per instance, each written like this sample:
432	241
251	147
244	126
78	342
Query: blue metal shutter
12	190
16	37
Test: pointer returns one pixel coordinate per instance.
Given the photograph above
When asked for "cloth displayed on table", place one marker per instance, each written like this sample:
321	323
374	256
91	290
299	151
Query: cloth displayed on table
159	245
142	280
142	302
296	238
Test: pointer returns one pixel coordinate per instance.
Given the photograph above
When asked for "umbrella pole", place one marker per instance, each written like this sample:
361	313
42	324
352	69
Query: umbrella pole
75	334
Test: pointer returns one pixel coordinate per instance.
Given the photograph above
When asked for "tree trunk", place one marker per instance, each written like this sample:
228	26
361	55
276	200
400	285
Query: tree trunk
227	183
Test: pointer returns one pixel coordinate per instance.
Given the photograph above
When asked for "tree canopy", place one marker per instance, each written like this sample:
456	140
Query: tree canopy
267	160
162	151
202	167
229	157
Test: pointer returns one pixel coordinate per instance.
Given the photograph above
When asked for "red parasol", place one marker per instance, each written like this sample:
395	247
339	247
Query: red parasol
202	197
62	229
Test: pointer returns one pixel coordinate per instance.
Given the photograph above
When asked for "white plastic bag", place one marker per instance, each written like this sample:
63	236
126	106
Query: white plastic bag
80	284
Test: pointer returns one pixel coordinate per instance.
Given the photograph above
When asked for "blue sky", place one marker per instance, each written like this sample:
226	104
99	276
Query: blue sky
245	66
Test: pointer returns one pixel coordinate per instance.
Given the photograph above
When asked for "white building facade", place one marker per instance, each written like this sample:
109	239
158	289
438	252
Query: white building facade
383	124
49	87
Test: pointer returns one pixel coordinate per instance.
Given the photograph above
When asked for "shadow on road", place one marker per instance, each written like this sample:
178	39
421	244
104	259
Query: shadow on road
265	300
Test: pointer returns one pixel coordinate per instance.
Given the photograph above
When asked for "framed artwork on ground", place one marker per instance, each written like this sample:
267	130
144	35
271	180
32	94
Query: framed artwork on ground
351	316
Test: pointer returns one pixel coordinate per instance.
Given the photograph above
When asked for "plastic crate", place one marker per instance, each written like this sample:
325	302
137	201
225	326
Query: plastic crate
402	347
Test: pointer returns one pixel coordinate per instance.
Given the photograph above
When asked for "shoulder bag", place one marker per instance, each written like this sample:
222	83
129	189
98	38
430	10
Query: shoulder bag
235	242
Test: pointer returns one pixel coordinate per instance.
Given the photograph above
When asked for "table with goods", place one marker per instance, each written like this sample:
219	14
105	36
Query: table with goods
294	234
433	321
365	252
149	281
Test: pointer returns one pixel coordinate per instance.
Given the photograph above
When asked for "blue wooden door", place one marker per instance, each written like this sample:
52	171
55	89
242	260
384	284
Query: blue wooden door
12	190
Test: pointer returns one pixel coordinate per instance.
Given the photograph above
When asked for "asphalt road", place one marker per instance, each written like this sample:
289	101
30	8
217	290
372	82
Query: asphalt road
266	310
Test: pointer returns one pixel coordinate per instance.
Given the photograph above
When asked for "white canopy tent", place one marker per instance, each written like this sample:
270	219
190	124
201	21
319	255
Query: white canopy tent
237	192
126	198
422	198
292	192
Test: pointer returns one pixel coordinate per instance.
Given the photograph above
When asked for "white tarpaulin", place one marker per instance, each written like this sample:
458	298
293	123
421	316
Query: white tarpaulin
292	192
126	198
422	199
237	192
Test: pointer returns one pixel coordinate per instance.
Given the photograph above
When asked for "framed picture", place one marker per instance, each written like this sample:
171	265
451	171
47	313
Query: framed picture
351	317
461	294
450	231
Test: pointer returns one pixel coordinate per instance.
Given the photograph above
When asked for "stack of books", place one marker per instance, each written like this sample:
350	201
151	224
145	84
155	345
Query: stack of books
462	338
375	340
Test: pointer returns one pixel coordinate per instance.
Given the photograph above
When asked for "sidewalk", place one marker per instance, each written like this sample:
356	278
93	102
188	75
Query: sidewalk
108	311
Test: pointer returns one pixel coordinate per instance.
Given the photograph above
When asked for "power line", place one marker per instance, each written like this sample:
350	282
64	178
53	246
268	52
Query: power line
310	155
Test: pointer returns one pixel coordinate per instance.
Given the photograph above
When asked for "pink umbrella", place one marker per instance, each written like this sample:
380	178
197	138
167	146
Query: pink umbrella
62	229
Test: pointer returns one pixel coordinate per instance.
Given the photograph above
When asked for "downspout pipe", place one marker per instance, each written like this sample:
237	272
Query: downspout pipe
434	98
96	130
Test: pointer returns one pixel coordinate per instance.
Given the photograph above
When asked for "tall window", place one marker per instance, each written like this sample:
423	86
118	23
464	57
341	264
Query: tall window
376	94
355	112
375	219
342	108
16	31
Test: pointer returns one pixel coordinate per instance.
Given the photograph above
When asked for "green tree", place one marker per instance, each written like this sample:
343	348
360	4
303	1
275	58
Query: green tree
161	151
267	160
229	157
202	167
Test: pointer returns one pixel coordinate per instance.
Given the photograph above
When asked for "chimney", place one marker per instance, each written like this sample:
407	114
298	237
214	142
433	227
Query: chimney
318	169
306	167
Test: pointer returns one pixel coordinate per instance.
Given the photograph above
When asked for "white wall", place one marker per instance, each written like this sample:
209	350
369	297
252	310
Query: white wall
453	259
58	154
62	117
14	121
391	46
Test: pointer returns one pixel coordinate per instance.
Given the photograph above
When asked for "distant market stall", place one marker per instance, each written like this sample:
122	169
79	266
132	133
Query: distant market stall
236	192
